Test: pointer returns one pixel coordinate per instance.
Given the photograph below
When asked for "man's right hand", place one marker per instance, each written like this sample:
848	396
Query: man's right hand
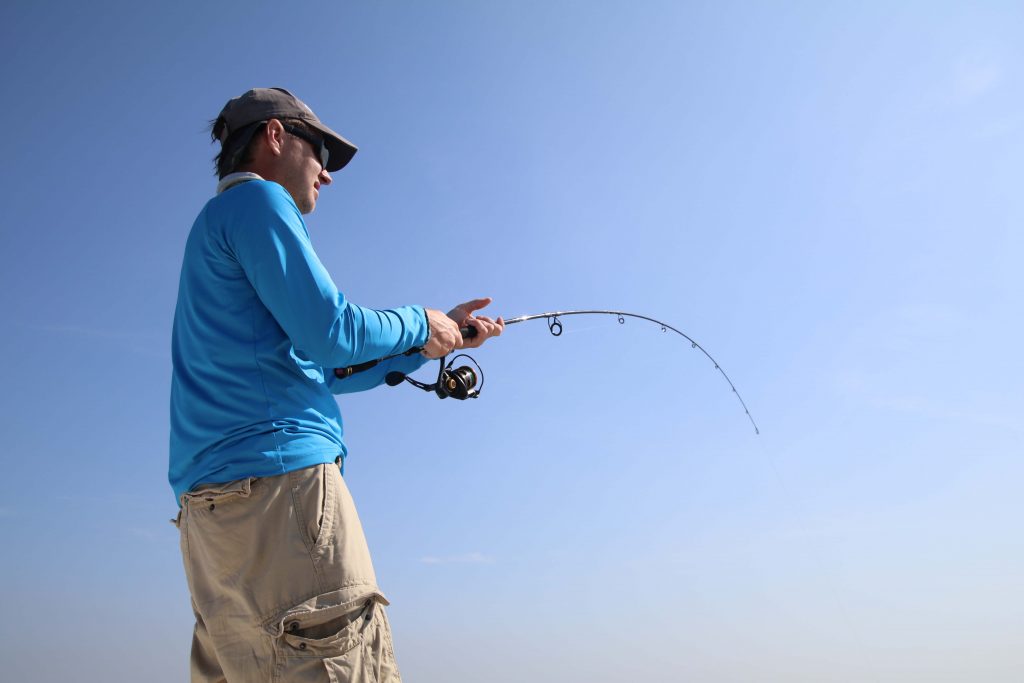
444	335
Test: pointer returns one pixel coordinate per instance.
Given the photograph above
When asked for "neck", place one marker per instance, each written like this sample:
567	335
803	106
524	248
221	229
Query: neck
237	178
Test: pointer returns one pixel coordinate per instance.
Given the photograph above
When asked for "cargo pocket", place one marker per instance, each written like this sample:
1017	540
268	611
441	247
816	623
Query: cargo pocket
341	643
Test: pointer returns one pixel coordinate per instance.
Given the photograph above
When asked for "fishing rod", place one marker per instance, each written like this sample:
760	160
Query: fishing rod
461	383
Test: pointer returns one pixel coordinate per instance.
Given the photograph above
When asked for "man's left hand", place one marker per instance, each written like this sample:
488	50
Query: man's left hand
485	327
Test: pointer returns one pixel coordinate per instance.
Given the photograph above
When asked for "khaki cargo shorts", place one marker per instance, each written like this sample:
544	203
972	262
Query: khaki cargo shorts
282	584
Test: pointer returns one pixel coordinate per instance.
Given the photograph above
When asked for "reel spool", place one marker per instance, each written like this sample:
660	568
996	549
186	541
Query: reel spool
459	383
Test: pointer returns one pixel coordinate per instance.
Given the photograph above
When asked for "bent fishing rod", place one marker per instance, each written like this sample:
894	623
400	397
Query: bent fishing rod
461	383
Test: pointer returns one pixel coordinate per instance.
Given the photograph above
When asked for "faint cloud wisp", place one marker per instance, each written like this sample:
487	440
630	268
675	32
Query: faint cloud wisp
467	558
143	343
975	76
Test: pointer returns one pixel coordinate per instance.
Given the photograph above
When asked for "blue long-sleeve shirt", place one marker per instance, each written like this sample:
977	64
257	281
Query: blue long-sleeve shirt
258	320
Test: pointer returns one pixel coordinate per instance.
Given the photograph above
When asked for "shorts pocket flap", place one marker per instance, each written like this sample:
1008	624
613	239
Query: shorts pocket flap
241	488
315	628
321	609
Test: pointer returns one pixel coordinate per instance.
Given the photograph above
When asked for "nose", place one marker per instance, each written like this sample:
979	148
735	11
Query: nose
324	177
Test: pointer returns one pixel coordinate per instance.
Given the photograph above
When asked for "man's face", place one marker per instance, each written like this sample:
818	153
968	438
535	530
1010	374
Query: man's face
301	172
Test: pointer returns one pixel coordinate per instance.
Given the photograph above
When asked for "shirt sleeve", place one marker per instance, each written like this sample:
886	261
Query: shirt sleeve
269	239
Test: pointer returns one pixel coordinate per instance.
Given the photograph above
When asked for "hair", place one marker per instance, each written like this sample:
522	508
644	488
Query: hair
232	155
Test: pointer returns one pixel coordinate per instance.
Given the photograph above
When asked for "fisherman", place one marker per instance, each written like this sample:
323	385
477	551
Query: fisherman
279	571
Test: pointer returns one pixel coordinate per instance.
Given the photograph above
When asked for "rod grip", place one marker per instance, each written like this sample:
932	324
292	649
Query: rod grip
468	332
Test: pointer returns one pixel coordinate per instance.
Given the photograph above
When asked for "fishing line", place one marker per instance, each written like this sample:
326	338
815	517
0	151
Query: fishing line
461	383
798	508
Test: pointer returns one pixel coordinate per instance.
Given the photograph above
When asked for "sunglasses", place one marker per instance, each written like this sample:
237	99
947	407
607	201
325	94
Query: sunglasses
319	144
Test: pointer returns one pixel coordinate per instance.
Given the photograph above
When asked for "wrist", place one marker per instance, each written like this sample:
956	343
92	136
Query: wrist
426	325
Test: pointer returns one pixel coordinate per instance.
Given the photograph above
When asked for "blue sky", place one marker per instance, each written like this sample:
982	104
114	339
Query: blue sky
825	195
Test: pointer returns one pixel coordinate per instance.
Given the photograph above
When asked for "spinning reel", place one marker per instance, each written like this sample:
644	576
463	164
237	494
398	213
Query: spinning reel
459	383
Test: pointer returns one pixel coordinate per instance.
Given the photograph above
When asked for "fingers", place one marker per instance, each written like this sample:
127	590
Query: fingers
439	343
463	311
486	325
485	329
475	304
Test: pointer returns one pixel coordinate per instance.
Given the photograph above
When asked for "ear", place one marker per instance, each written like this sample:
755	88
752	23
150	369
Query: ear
273	136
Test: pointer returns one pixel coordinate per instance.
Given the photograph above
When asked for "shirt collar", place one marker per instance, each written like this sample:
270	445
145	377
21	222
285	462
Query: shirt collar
232	179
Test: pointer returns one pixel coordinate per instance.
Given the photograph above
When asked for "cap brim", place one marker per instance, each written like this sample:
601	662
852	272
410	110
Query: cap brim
341	150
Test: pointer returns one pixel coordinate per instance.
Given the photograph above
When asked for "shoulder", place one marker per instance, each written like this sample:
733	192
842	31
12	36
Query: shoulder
256	203
255	217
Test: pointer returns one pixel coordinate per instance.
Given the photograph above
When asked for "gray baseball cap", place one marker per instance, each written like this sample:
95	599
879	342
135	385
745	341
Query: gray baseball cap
262	104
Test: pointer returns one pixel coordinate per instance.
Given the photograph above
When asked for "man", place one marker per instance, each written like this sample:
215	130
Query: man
281	580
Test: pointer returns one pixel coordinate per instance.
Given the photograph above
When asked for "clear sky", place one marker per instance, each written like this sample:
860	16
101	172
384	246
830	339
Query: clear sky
825	195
